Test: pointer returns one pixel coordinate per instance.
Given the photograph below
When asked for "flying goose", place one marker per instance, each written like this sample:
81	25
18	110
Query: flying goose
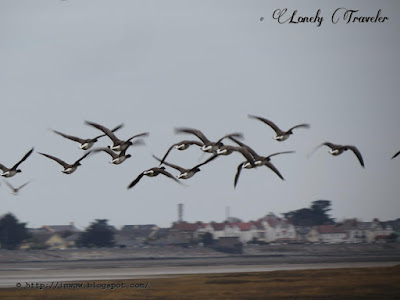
339	149
152	173
85	144
118	158
118	145
227	149
68	168
395	154
208	146
186	173
183	145
11	172
280	134
258	161
15	190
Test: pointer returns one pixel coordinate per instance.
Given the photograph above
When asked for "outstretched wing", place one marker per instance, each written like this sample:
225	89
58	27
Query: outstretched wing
20	187
300	126
138	135
166	154
248	148
106	150
25	157
107	131
112	130
61	162
3	168
268	122
180	169
239	169
162	171
395	154
196	132
84	155
206	161
133	183
275	170
9	185
70	137
231	135
277	153
357	153
183	142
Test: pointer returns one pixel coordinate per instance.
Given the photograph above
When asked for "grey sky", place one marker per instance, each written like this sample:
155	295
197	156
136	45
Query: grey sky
157	65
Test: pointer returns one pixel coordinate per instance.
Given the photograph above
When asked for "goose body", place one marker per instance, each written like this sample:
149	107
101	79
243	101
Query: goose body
339	149
208	146
153	172
15	190
116	158
280	135
187	173
118	145
258	161
9	172
227	150
68	168
85	144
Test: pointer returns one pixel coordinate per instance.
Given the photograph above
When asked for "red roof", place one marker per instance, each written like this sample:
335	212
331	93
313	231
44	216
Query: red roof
244	226
218	226
184	226
329	229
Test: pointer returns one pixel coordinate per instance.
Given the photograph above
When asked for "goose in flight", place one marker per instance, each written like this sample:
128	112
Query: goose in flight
6	172
258	161
228	149
15	190
280	134
118	158
183	145
187	173
68	168
85	144
208	146
118	145
153	172
339	149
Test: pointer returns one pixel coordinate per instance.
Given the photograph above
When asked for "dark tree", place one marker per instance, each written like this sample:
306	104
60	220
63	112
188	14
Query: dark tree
98	234
207	239
12	233
316	215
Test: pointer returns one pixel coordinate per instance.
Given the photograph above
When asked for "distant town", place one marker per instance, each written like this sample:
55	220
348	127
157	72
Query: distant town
305	226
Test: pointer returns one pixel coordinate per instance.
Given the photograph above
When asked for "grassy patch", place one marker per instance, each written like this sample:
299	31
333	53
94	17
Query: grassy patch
358	283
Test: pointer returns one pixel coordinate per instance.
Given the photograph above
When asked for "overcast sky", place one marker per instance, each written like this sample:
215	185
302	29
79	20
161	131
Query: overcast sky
158	65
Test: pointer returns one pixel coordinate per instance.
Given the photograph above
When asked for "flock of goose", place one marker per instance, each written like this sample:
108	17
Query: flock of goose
118	152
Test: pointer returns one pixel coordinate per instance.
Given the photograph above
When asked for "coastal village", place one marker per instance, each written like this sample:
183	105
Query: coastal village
269	229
